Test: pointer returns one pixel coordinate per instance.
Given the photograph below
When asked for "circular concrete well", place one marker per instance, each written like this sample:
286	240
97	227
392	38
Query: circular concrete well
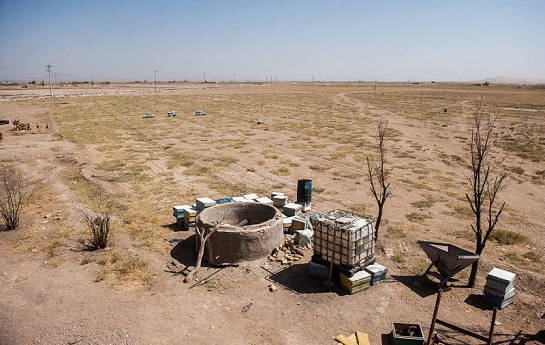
260	230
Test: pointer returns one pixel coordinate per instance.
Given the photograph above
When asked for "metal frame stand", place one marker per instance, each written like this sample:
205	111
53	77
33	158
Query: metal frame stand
458	328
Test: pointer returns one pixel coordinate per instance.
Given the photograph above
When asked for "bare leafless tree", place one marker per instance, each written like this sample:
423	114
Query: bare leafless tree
15	192
486	182
98	221
378	174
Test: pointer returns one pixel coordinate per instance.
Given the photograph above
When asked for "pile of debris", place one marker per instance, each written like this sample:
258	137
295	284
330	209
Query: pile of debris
287	253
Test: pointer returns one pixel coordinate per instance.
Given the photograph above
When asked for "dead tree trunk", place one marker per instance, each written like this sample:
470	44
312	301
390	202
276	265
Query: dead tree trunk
484	187
378	175
204	235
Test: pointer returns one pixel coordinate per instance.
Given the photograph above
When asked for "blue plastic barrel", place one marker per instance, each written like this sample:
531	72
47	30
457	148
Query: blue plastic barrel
304	191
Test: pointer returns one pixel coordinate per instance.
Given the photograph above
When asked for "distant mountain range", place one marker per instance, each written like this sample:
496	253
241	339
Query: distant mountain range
62	77
509	80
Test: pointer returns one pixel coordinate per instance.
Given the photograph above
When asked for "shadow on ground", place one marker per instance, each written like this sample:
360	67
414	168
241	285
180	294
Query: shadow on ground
173	226
386	339
184	251
297	279
477	301
418	284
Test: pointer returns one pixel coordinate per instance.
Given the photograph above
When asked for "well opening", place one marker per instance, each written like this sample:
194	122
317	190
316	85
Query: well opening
246	231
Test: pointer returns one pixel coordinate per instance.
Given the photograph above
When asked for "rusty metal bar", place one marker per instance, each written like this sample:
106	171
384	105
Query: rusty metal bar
435	312
492	324
462	330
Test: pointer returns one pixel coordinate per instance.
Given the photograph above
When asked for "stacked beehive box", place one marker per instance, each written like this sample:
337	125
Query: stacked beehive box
178	212
377	272
500	288
279	199
190	215
358	282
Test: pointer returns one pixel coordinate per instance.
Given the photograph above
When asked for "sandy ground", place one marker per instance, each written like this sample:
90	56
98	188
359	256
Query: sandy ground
50	293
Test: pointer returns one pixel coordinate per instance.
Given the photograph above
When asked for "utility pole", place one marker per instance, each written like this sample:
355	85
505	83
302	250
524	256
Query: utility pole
204	77
155	80
50	88
234	78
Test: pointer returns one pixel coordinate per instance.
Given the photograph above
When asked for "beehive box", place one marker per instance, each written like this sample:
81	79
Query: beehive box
292	209
500	280
318	270
202	203
264	200
190	215
377	271
344	237
279	200
178	211
358	282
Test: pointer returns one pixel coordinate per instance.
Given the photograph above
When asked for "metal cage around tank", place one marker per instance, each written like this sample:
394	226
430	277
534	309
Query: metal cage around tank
344	238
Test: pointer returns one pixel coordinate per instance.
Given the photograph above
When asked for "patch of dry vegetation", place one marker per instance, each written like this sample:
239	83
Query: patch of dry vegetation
308	131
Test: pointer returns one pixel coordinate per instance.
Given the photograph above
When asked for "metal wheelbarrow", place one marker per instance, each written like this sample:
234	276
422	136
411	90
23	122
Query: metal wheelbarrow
447	258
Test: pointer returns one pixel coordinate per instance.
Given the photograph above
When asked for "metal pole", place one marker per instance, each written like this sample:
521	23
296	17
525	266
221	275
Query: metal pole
492	324
435	312
155	81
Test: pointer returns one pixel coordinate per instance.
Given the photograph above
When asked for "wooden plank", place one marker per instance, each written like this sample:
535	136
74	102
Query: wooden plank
344	340
363	338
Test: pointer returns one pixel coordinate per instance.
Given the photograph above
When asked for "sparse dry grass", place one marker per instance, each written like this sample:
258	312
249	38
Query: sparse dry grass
507	237
308	131
416	217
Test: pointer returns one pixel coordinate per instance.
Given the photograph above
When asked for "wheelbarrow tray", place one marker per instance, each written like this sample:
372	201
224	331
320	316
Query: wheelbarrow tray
447	258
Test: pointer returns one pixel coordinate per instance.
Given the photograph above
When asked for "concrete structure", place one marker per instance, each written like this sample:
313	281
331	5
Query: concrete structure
247	231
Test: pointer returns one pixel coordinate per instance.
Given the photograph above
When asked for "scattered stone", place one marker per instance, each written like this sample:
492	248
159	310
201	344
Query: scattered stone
273	288
267	266
173	241
287	253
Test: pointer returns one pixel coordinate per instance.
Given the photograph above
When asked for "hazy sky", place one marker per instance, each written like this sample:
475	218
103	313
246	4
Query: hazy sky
288	39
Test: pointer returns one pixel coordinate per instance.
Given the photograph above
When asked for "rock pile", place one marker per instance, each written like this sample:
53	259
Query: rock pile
287	253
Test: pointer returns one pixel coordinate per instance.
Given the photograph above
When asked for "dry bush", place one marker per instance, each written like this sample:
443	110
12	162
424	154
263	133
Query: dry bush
98	222
14	194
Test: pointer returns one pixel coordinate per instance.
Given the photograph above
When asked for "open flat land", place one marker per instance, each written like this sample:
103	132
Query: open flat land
52	291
